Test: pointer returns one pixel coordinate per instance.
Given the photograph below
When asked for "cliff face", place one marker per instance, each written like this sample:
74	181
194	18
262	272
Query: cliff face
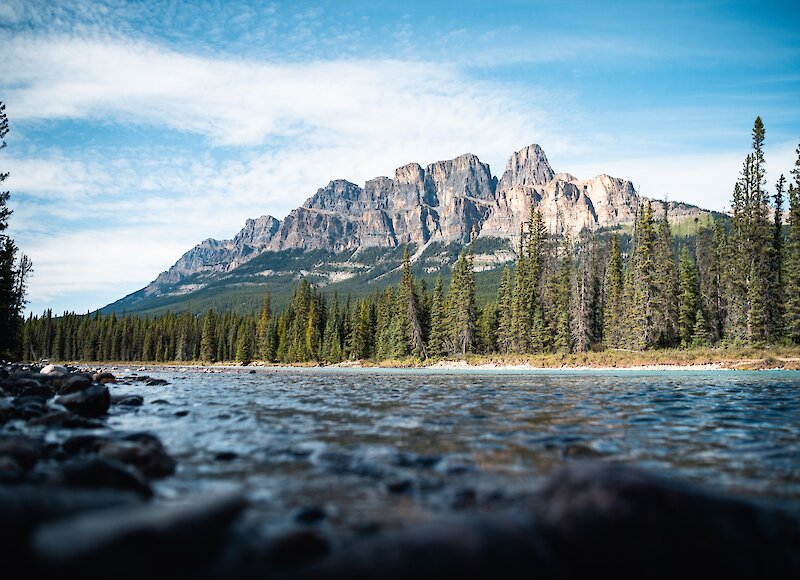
447	201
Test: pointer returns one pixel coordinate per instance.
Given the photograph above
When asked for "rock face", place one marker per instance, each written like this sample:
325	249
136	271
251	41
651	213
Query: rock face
447	201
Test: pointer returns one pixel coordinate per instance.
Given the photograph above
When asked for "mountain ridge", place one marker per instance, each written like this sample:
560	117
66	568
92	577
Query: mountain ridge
447	202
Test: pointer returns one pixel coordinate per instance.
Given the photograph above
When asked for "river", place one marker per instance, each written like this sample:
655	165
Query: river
383	447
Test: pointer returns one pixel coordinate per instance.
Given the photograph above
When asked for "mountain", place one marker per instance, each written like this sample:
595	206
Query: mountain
352	237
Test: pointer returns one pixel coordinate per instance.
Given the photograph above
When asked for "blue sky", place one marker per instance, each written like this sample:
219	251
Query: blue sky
141	128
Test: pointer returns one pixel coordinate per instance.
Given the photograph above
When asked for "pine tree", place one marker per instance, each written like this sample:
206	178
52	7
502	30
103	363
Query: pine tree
461	298
642	320
563	329
439	331
700	337
243	343
613	311
792	260
14	272
263	328
207	340
665	303
505	337
687	298
774	269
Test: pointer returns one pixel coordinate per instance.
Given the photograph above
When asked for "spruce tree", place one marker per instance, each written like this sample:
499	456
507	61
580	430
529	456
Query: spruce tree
665	303
700	336
505	337
563	295
461	299
642	328
774	269
208	340
439	332
792	260
263	326
687	298
613	307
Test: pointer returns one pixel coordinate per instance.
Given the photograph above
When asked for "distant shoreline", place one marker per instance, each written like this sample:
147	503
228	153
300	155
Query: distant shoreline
659	360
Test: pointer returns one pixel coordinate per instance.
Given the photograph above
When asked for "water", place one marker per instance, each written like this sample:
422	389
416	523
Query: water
384	447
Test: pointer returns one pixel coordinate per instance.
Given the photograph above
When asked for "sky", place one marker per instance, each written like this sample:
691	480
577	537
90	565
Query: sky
140	128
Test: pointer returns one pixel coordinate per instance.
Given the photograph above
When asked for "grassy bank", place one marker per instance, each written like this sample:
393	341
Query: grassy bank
787	358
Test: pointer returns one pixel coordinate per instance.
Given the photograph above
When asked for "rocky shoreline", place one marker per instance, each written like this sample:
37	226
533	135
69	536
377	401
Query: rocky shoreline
77	497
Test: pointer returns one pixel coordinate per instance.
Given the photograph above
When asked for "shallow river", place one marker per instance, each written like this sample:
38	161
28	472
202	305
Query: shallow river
382	447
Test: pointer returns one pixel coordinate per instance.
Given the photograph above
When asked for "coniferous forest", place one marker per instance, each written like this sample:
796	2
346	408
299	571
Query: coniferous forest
735	283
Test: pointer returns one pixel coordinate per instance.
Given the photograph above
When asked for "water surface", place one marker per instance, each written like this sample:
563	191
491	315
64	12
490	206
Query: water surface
375	447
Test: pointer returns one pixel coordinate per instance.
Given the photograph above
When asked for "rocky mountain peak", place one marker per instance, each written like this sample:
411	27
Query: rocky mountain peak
527	167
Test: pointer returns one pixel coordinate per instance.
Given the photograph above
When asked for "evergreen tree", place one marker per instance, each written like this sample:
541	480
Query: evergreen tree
463	313
687	298
263	341
665	302
792	261
642	330
563	329
208	346
775	263
437	343
14	272
243	343
505	336
700	337
613	311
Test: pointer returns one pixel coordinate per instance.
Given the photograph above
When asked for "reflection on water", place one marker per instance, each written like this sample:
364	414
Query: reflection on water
400	445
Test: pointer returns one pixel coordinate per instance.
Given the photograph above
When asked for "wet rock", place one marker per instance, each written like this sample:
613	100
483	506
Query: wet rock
225	456
298	548
142	541
104	473
181	413
310	514
65	420
10	471
127	400
54	370
599	517
104	377
90	402
30	407
155	382
464	498
74	384
142	451
467	548
578	451
42	391
160	402
399	486
24	507
25	451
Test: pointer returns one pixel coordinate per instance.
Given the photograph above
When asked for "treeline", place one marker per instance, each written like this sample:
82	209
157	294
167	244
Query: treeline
737	284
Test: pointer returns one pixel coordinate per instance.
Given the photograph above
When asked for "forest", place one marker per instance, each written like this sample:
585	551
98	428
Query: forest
736	284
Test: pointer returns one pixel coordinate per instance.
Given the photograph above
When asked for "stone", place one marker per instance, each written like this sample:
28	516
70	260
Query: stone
297	548
30	407
225	456
127	400
74	384
104	473
155	382
25	451
65	420
43	391
310	514
160	540
104	377
54	370
93	401
141	451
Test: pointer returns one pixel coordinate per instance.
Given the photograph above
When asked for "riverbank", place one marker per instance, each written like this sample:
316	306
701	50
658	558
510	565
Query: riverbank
742	359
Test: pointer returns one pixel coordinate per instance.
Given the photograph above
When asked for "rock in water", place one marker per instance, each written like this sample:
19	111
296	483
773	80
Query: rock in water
138	542
54	370
104	473
93	401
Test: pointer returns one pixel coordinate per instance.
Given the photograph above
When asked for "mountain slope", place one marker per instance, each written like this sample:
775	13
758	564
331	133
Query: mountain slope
352	237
